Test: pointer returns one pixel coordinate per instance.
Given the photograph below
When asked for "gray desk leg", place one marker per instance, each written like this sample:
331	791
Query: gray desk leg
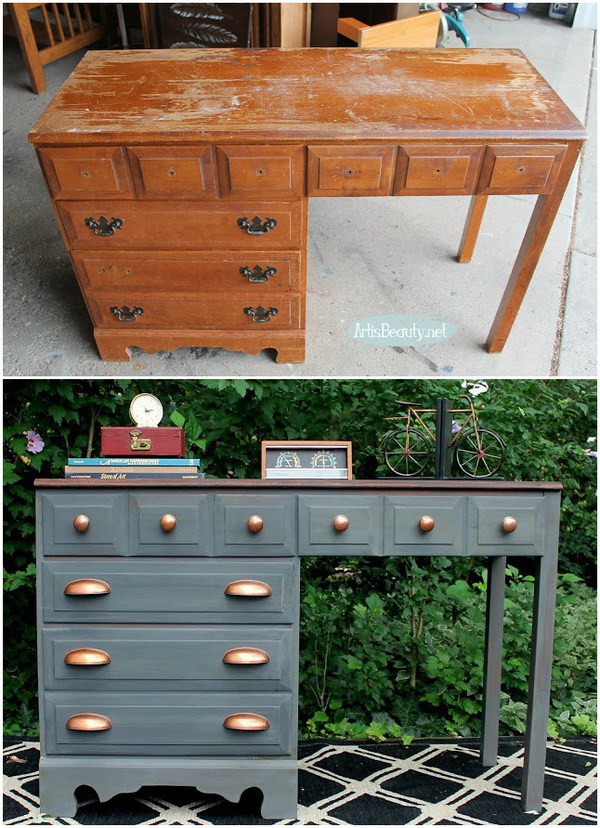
540	677
492	670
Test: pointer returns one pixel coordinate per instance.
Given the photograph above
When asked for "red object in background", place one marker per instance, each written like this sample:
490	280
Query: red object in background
117	441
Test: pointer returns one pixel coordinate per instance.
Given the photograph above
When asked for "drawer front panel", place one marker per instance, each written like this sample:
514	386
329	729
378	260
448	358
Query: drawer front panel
173	658
349	171
156	225
193	532
198	272
97	172
277	535
363	535
486	535
180	172
163	723
164	591
426	170
106	532
519	169
254	171
405	515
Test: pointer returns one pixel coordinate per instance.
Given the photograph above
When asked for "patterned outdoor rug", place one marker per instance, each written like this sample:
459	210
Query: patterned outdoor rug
436	782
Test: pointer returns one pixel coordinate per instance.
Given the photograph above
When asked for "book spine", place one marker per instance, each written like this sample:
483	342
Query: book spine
132	461
158	470
119	475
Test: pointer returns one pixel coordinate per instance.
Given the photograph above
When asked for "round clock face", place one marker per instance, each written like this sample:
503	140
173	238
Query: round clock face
146	410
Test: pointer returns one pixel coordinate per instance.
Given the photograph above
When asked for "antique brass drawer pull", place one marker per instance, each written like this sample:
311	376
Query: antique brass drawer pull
341	523
248	589
104	226
89	722
87	586
256	227
246	721
126	314
509	524
168	523
81	523
246	655
255	523
426	523
261	314
258	275
87	657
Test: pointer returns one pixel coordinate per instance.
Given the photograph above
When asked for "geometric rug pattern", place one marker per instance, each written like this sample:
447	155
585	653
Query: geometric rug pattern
430	782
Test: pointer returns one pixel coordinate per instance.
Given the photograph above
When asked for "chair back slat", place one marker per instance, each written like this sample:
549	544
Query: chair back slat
67	16
47	25
58	22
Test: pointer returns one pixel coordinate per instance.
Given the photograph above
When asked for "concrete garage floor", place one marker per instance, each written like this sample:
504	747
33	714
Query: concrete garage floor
367	257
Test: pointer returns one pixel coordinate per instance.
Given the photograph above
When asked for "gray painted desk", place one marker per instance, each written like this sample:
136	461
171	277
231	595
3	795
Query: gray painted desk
168	620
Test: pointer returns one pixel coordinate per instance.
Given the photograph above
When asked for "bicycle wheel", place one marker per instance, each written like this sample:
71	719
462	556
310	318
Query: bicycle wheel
481	459
406	453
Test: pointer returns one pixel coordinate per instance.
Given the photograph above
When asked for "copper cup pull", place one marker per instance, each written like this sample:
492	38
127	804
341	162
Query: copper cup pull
87	657
426	523
341	523
246	655
246	721
255	523
509	524
89	722
81	523
248	589
87	586
168	523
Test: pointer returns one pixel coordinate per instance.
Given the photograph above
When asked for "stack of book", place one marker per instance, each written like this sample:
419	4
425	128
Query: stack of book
132	468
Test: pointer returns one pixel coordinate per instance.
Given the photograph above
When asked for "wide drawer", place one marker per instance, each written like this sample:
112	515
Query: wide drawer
431	170
349	524
83	523
506	525
214	658
350	171
170	591
509	168
258	524
86	172
186	226
417	525
168	723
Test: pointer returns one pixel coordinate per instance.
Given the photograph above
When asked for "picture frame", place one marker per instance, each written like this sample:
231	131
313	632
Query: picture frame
306	460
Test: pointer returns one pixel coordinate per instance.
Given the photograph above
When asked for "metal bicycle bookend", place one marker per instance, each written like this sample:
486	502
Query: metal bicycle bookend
407	449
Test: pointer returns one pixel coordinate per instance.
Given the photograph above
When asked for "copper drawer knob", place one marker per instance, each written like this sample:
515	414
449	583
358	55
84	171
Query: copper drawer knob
81	523
341	523
246	721
87	586
168	523
246	655
255	523
509	524
426	523
248	589
87	657
89	722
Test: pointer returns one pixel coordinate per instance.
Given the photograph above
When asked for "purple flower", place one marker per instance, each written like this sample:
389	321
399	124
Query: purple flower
591	453
455	427
35	444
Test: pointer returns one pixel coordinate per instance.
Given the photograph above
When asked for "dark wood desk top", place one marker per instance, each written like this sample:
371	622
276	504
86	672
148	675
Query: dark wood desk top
194	95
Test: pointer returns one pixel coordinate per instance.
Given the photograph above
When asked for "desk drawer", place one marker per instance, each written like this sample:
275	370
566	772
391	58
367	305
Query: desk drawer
506	525
180	172
171	591
151	529
359	520
425	525
254	171
168	723
350	171
517	169
101	518
80	172
255	524
437	170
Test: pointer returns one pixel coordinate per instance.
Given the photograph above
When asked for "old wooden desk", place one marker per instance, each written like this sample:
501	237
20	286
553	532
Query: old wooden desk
168	620
181	178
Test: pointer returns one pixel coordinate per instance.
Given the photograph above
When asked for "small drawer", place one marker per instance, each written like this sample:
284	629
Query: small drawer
80	172
425	525
241	657
168	724
163	524
186	592
340	525
256	171
350	171
427	170
83	523
506	525
181	172
518	169
263	525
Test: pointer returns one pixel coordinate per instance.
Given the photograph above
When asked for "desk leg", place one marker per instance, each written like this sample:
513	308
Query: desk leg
472	225
492	670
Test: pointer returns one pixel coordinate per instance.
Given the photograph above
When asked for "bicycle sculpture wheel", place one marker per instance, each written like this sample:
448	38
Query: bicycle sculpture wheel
479	453
406	451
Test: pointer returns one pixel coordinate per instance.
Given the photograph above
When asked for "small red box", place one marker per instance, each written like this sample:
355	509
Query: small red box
131	441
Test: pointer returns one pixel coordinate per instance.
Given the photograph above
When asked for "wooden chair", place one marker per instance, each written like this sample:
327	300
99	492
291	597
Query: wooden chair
420	31
50	34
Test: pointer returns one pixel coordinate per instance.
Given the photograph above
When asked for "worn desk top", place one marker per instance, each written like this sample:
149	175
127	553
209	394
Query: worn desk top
304	94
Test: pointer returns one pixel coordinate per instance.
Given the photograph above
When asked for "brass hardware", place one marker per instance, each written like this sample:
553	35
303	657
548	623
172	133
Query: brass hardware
248	589
87	586
171	173
426	523
85	174
168	523
509	524
258	275
341	523
260	172
126	314
246	721
81	523
87	657
246	655
349	173
139	443
255	523
89	722
261	314
256	227
104	226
